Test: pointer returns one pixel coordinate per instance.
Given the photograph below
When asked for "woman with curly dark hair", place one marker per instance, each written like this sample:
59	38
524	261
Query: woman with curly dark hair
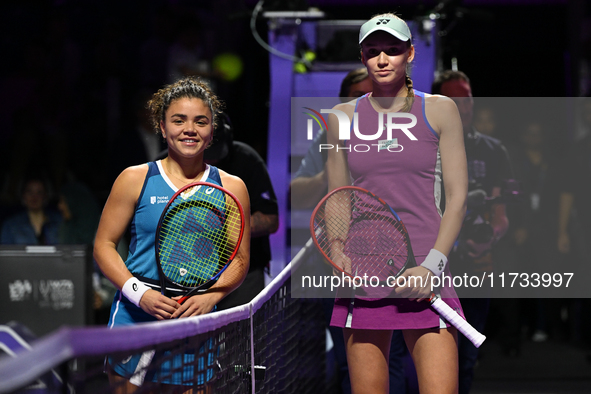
185	113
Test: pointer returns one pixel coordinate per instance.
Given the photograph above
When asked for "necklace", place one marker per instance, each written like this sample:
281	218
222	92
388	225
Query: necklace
184	181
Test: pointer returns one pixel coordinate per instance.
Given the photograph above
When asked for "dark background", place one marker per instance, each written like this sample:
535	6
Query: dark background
70	70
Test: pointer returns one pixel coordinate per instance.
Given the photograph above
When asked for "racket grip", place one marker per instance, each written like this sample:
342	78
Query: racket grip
456	320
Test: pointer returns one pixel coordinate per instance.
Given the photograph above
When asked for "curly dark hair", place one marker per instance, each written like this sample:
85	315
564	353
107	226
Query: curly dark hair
183	88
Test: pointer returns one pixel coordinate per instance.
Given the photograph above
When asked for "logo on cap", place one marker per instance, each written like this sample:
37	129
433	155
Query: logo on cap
383	22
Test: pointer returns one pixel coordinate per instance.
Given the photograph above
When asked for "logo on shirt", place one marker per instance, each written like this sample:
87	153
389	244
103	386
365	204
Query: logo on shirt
390	145
192	190
158	199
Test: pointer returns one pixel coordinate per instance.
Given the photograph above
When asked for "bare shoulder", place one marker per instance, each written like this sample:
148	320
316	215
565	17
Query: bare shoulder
134	174
441	112
346	107
438	102
131	180
233	184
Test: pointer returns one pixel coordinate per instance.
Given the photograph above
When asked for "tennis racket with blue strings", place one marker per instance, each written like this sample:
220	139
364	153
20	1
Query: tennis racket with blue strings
198	236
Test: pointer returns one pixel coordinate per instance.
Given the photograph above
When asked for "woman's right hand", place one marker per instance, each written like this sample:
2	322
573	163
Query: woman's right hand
158	305
341	260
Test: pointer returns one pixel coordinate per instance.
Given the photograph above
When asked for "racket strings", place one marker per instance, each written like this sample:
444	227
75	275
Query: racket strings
198	237
377	246
374	239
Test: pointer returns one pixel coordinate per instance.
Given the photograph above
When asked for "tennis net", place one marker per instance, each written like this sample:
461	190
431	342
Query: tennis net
274	344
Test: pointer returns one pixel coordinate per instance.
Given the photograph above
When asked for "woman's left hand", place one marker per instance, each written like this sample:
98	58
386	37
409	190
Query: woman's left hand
416	285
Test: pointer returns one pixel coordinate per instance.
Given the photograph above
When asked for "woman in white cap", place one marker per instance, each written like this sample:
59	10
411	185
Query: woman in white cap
406	167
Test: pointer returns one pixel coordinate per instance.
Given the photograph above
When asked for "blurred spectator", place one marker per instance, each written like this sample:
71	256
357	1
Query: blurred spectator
488	168
484	120
37	223
536	222
80	214
583	122
574	227
580	154
33	134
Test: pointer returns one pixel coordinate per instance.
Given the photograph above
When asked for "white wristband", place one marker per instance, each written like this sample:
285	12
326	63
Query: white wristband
133	290
435	262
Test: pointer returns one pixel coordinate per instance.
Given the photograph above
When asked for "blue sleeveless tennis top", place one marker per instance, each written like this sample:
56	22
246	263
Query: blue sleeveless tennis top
141	261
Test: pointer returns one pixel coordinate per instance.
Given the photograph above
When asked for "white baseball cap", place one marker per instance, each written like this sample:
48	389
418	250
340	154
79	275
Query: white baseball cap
395	26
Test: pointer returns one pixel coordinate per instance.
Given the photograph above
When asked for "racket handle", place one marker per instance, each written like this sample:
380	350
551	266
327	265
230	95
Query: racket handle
189	295
456	320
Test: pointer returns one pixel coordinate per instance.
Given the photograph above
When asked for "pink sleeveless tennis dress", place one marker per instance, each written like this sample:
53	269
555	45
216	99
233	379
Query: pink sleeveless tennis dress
407	175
